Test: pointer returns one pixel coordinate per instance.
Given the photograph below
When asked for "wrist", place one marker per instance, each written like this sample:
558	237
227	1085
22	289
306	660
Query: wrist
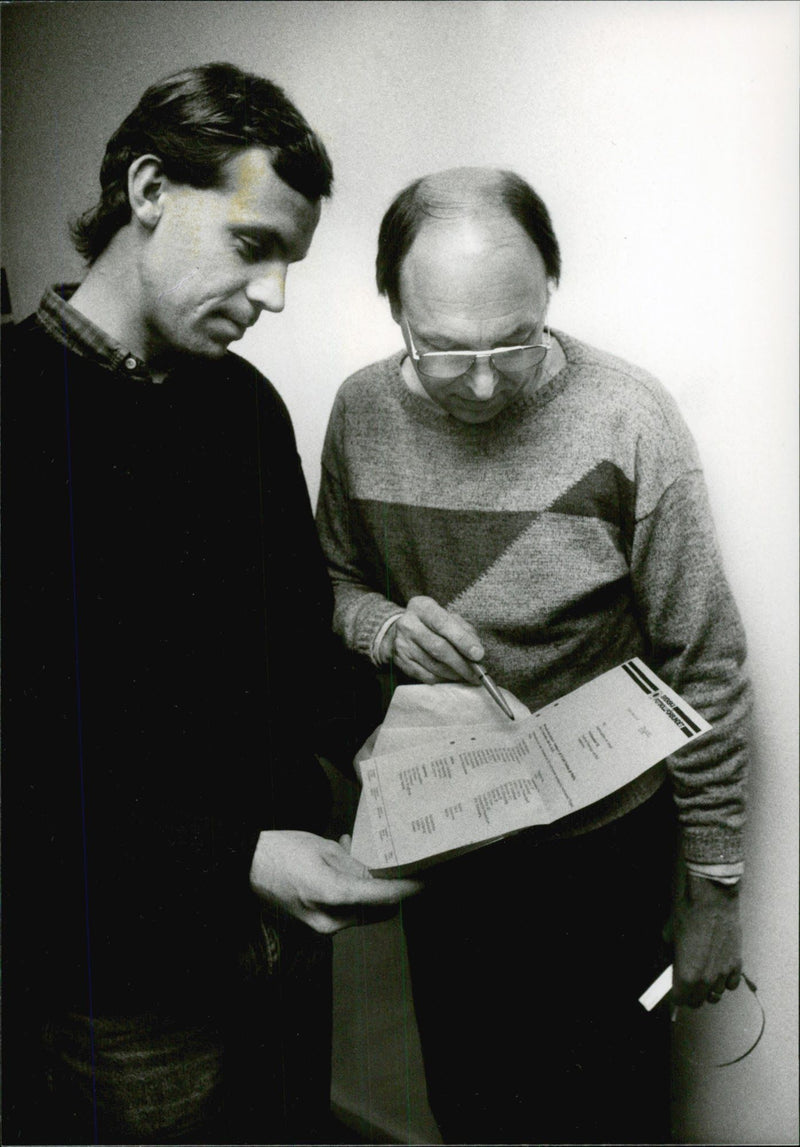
705	889
386	646
383	642
724	872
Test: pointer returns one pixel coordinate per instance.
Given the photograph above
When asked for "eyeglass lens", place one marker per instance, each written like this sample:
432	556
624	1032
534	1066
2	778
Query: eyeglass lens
512	361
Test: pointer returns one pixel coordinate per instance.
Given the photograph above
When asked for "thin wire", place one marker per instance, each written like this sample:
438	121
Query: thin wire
753	1045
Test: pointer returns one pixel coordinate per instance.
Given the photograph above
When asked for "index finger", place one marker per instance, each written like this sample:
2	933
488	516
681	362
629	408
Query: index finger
380	891
376	891
734	979
449	625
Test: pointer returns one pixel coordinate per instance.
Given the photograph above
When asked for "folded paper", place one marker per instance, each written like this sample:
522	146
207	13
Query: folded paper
449	773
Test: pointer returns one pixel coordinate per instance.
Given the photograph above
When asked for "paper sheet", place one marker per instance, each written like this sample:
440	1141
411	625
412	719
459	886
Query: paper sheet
423	706
465	784
426	715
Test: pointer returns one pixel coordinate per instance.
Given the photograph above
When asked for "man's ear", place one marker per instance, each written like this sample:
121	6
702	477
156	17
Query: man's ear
146	186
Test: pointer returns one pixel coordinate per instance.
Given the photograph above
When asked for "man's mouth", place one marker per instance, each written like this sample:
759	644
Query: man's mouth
233	327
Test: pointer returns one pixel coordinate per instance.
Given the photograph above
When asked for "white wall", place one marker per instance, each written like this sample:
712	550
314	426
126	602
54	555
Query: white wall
663	138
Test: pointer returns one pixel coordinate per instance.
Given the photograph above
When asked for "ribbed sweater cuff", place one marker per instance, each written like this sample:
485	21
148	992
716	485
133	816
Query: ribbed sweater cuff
712	845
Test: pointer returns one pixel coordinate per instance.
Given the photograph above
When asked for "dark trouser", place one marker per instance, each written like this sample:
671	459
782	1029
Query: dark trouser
527	962
246	1064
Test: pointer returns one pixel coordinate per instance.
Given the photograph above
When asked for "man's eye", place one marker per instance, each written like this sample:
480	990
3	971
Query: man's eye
250	250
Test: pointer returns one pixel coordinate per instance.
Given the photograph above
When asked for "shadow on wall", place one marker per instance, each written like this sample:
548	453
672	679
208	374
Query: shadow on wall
378	1081
378	1087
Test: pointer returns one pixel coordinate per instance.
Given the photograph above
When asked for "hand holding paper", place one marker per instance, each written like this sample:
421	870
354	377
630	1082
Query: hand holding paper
319	882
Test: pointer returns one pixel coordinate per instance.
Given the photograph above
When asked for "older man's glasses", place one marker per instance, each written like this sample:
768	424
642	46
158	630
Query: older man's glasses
448	364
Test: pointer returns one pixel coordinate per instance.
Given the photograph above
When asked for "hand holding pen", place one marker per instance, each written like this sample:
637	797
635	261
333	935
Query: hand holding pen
432	644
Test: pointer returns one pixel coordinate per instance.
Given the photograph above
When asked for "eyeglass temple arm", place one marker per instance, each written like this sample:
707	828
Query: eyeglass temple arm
478	353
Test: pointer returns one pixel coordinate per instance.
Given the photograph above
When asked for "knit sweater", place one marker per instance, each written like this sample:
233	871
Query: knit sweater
572	531
162	585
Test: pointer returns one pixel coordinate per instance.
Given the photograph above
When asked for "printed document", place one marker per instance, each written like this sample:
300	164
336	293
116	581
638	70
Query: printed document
432	791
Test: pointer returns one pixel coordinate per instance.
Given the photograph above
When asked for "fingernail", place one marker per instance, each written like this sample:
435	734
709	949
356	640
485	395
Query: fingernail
476	652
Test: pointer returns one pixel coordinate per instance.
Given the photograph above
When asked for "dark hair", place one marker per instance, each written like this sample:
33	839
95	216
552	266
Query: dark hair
195	121
460	192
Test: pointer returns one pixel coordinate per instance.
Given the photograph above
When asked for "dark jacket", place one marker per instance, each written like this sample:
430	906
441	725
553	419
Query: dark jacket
165	645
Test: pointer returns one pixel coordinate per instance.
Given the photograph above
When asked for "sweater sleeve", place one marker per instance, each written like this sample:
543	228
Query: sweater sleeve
360	609
696	643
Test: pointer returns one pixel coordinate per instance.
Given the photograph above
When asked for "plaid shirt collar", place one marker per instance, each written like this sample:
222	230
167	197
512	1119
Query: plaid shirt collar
74	331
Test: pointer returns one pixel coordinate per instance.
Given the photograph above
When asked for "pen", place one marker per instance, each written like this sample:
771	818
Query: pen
493	691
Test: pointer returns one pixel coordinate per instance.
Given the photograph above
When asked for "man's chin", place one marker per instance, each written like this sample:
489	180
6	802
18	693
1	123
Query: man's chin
216	349
474	415
212	341
210	348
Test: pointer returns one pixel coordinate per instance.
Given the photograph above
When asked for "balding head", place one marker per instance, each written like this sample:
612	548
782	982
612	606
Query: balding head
457	198
470	259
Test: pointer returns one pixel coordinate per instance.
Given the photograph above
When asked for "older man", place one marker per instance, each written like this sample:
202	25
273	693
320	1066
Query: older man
500	492
163	583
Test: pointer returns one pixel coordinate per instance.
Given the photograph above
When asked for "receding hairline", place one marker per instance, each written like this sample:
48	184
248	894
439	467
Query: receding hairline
456	196
463	193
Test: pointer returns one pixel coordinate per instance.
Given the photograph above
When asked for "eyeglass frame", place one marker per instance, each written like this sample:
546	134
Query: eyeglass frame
475	355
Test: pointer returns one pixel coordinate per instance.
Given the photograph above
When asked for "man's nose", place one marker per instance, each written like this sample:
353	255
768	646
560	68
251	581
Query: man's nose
268	289
482	379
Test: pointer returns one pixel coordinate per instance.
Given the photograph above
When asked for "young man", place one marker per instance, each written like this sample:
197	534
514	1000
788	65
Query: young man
162	587
500	491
